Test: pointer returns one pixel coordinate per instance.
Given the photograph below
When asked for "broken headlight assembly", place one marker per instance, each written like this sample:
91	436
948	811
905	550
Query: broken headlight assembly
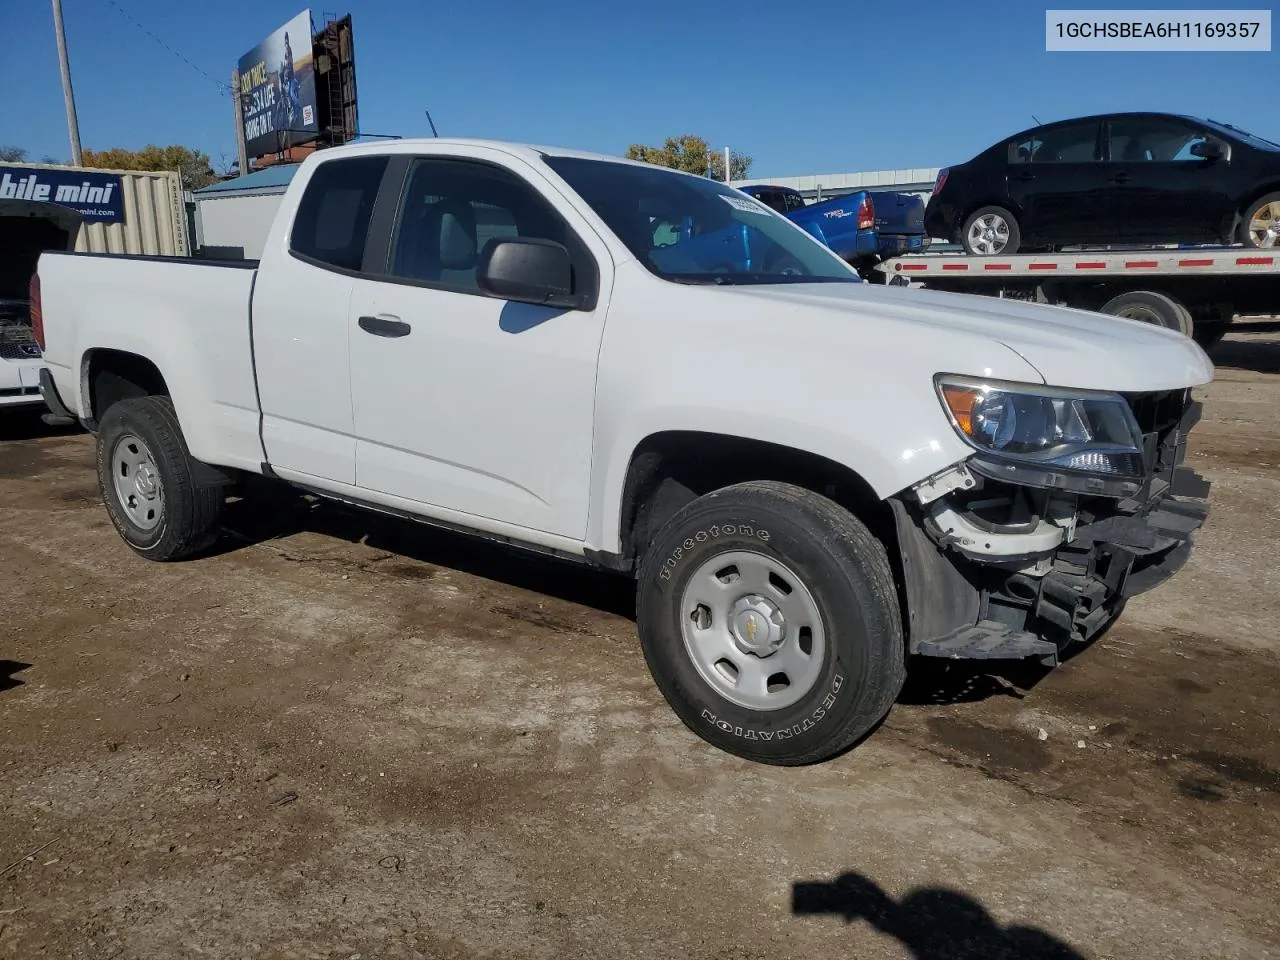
1050	428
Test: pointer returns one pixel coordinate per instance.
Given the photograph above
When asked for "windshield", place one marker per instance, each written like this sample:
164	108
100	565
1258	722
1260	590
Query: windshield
1252	138
694	230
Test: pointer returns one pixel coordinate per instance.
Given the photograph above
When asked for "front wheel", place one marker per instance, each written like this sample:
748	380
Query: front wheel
150	484
1261	226
991	231
769	621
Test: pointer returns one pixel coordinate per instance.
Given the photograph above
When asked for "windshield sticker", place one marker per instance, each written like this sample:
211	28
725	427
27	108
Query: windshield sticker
745	204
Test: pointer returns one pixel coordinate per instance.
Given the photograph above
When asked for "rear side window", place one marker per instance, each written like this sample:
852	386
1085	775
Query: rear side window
332	223
1071	143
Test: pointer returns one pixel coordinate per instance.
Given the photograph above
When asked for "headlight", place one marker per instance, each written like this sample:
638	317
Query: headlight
1066	429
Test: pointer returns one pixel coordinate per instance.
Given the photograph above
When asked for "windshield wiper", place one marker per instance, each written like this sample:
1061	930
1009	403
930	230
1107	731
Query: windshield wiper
718	279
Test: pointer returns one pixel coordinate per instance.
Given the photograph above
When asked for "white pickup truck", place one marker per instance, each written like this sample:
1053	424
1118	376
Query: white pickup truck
811	477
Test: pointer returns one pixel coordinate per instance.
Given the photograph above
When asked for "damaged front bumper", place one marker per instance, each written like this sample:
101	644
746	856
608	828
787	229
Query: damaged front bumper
1002	562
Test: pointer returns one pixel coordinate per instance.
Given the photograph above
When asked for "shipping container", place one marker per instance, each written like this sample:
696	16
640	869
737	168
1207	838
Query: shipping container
122	211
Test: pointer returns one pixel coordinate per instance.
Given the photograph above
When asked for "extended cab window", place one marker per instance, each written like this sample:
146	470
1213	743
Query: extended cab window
332	223
452	208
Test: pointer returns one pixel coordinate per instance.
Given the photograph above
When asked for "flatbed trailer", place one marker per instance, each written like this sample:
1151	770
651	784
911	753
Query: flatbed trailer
1197	291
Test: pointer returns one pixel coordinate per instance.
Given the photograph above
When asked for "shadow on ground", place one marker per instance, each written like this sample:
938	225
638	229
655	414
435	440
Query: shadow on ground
7	670
272	511
25	423
933	923
932	681
1242	351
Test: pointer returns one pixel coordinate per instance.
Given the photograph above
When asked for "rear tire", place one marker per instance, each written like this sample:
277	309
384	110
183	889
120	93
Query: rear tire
148	480
798	657
991	231
1150	307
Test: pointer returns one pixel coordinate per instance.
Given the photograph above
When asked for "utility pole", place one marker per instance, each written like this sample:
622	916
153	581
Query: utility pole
73	126
726	164
241	158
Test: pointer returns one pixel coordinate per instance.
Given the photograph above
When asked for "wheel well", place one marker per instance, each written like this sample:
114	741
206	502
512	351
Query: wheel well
1258	194
668	470
1004	202
114	375
1237	220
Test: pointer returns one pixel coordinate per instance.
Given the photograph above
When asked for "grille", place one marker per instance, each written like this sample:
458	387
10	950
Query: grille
1159	412
19	350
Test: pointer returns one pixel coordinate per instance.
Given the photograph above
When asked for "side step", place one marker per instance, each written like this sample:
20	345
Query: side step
990	640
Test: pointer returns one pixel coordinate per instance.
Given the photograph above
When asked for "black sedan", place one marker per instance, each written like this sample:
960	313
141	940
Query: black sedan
1123	178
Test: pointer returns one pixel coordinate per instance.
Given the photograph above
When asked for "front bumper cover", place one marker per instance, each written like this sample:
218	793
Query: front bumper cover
1119	546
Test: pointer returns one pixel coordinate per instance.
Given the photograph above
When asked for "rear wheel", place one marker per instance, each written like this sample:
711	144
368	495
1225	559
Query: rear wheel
1150	307
149	481
990	231
1261	226
769	621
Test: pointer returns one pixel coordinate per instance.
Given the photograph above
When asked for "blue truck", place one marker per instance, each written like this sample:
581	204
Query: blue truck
863	228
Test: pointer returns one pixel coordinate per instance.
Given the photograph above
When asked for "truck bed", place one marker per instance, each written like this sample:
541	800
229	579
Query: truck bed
182	313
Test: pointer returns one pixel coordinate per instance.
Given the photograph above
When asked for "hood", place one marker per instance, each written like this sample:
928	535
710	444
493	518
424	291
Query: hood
1068	347
27	229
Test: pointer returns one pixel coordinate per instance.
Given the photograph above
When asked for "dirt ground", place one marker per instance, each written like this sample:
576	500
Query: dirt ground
343	737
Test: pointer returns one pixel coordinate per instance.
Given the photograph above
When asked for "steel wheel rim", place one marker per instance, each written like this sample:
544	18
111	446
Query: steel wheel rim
136	482
752	630
1264	226
989	234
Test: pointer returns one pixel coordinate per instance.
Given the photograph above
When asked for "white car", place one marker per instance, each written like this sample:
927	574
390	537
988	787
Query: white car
811	477
28	227
19	358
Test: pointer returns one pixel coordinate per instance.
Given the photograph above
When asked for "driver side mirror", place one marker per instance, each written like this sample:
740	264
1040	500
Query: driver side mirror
528	270
1208	150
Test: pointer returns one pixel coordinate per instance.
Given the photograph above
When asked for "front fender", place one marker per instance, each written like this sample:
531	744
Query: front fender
853	389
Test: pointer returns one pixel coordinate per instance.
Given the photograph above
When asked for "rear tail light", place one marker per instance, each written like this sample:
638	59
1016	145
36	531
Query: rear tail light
866	214
37	316
942	178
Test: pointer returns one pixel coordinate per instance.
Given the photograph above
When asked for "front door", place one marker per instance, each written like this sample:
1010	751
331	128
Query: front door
474	406
1164	192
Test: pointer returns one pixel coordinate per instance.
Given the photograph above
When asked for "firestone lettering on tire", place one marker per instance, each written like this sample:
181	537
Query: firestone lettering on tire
785	733
711	533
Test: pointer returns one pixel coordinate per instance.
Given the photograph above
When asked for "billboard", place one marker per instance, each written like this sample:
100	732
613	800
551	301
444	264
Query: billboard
278	90
97	197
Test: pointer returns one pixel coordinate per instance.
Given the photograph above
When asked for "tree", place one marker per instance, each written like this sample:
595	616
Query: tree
692	154
194	166
12	154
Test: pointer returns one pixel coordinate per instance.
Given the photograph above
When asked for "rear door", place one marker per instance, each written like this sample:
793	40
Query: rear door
1056	177
300	337
478	408
1163	192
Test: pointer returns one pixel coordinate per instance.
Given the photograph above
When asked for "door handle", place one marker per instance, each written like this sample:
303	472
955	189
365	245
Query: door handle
384	326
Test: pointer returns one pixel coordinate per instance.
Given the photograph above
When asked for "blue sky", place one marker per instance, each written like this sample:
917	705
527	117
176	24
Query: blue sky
812	86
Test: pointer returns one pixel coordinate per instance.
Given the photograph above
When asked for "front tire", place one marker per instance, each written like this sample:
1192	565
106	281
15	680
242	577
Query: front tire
1261	225
769	621
149	481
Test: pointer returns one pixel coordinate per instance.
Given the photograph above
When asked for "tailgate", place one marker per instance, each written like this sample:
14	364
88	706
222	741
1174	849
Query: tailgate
898	213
